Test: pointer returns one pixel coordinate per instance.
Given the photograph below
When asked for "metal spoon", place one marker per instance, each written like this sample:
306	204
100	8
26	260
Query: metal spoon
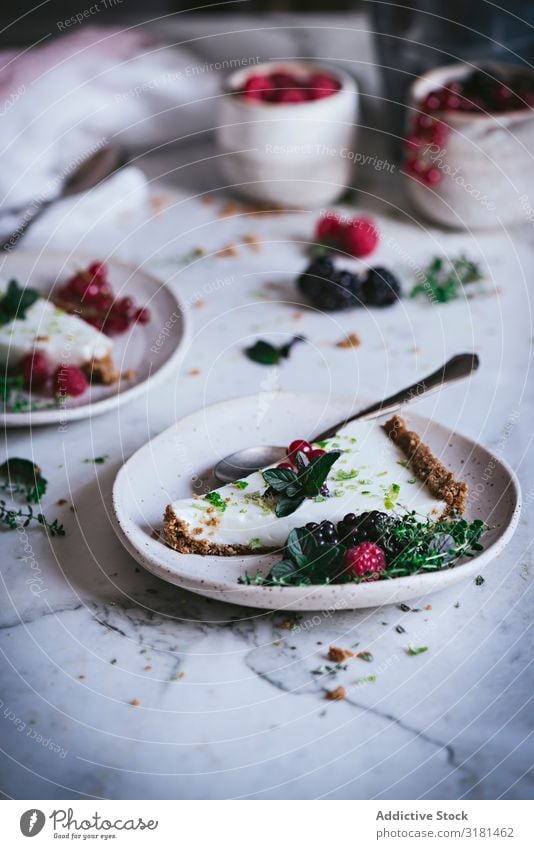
248	460
92	170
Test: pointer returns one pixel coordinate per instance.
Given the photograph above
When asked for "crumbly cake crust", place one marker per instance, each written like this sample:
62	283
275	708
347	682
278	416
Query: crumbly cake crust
431	471
102	370
176	534
427	468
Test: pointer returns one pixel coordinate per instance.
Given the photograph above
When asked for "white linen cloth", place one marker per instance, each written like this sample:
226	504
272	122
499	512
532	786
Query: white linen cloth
62	101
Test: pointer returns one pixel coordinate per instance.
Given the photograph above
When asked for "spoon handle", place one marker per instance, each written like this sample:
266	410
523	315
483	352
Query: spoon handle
462	365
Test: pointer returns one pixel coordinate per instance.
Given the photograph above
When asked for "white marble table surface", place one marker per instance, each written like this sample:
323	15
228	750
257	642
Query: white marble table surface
228	704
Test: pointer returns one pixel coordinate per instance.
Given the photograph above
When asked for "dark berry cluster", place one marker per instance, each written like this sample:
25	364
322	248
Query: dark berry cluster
372	526
328	288
324	533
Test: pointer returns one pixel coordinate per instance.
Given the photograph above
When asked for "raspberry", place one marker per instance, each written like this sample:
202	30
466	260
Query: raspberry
360	237
70	380
365	560
329	227
34	370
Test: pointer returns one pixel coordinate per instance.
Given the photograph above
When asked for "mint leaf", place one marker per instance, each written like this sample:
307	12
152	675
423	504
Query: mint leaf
278	479
287	505
16	301
270	355
314	476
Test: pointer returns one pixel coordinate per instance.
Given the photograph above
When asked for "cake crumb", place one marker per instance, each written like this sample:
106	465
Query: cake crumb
336	695
135	703
338	655
253	242
230	208
81	677
199	303
228	250
61	502
351	340
428	607
194	372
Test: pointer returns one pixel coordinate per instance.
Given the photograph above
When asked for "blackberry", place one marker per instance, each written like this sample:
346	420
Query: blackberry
380	288
328	288
372	526
324	534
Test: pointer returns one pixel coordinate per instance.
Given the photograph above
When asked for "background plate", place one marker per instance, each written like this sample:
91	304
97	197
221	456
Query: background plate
142	348
177	463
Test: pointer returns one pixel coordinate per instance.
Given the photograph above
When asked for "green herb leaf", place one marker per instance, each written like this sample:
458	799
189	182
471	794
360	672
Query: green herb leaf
365	655
255	543
240	484
293	487
270	355
216	500
412	651
443	280
18	518
16	301
22	477
479	580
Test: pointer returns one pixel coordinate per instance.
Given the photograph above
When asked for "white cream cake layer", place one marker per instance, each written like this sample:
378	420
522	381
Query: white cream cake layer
60	336
371	474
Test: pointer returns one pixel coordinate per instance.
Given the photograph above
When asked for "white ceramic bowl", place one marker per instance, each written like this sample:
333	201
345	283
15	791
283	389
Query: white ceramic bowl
486	163
296	155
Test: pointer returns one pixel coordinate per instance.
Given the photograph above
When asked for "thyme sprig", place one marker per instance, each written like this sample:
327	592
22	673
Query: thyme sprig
443	279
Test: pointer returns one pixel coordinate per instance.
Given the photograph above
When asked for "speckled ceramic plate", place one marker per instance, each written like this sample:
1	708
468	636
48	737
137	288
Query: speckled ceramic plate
143	350
176	464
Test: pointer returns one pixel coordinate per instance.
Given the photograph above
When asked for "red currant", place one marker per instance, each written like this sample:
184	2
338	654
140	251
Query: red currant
142	315
285	466
298	445
98	269
315	453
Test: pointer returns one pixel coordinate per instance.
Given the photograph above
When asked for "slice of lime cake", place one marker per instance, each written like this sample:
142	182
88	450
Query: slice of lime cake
369	467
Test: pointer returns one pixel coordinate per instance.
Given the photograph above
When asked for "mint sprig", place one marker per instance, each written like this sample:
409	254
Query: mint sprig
293	487
16	301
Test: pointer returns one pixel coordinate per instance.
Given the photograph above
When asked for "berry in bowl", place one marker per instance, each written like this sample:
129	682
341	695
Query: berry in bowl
468	141
286	132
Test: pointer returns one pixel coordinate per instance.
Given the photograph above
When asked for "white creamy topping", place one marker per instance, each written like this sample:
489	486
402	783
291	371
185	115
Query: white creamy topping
62	337
371	474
